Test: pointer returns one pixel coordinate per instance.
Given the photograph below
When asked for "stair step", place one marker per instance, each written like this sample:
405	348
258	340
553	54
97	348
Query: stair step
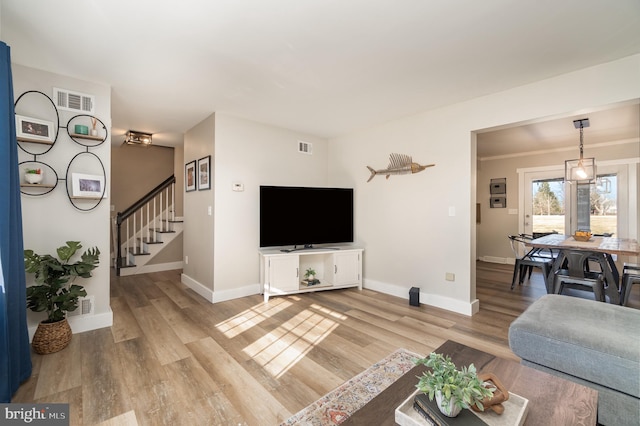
148	241
176	221
123	263
160	231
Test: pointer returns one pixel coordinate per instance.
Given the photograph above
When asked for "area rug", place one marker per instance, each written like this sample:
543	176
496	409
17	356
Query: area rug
336	406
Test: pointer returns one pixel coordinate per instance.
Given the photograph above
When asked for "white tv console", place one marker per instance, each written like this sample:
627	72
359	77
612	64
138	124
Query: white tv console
283	272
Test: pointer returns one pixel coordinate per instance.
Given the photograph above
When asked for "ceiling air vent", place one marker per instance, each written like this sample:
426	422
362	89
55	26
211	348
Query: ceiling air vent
74	101
305	147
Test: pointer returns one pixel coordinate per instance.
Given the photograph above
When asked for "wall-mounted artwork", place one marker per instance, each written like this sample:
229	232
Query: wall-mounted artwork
190	176
87	186
34	130
399	164
204	173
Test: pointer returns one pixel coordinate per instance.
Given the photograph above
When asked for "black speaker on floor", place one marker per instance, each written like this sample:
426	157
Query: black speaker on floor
414	296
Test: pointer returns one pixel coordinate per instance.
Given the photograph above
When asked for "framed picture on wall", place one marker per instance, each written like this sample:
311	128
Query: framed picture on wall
87	186
34	130
204	173
190	176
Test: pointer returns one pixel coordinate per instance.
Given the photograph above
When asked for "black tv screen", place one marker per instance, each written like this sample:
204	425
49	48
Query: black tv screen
302	216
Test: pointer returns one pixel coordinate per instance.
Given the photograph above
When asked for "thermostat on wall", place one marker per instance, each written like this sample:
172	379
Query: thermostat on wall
238	187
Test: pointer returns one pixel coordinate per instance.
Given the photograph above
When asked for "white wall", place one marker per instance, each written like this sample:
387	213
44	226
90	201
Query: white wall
252	154
404	223
51	220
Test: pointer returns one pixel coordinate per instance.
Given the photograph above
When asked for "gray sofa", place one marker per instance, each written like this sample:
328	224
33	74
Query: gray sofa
592	343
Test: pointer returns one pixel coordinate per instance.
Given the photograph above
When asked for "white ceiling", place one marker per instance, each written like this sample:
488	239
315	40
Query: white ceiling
324	67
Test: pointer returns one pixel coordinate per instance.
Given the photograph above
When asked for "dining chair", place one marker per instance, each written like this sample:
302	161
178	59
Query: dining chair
630	276
574	275
527	259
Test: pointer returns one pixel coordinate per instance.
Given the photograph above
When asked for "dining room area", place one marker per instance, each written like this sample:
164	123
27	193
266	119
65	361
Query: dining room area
557	199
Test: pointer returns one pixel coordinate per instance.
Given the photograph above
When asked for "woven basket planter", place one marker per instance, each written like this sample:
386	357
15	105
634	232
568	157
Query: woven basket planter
51	337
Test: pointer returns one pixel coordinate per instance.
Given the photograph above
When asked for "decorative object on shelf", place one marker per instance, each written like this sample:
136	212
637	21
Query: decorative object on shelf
33	176
55	293
204	173
34	130
81	129
134	137
399	164
190	176
310	274
88	186
453	388
94	122
582	169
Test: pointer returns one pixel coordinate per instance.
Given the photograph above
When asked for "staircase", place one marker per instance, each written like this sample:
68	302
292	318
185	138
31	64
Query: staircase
144	229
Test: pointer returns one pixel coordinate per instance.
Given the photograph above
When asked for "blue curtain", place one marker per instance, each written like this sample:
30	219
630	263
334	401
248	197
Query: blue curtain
15	355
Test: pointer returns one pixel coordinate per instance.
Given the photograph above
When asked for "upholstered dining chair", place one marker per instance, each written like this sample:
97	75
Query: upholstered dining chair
575	275
526	260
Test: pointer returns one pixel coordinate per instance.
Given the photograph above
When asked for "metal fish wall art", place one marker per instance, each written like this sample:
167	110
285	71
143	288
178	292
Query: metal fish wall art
399	164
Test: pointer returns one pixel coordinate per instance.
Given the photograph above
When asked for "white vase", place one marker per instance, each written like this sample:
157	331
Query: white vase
33	177
447	407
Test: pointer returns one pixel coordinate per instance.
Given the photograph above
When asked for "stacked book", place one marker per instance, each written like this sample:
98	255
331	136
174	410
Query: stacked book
311	282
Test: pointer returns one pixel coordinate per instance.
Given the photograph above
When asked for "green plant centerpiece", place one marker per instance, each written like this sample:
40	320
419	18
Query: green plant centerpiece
54	291
453	388
310	274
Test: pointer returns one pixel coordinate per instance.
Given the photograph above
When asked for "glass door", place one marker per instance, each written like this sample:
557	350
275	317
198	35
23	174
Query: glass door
544	202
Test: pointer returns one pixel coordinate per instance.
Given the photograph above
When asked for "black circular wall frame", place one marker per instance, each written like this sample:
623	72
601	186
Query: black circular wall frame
48	183
86	191
38	142
88	141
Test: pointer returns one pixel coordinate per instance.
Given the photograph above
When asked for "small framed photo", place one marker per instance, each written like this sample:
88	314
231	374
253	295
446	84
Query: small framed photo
87	186
34	130
204	173
190	176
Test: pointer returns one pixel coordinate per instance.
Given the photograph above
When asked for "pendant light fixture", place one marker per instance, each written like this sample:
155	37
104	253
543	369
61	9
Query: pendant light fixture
582	169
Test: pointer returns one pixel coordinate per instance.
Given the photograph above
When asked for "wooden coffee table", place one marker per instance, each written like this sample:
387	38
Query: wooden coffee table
552	400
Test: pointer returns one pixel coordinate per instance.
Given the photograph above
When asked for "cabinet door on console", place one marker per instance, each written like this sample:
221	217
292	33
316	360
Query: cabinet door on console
347	268
284	274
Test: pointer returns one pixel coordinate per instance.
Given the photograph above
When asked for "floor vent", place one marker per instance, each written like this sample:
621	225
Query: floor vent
74	101
85	307
305	147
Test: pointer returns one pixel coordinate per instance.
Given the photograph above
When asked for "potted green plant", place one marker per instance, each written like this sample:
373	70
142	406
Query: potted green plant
33	176
310	274
55	293
453	388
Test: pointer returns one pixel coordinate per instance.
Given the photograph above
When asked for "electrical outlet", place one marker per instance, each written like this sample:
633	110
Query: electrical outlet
450	276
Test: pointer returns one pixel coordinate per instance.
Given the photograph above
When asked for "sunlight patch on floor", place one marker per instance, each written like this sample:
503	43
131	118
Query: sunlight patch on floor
283	347
251	317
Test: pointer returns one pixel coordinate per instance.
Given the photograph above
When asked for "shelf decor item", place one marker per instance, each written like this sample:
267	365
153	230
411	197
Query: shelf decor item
33	176
55	293
88	186
453	388
34	130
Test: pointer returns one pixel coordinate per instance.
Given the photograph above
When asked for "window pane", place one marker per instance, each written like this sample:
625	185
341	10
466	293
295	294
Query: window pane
604	205
548	206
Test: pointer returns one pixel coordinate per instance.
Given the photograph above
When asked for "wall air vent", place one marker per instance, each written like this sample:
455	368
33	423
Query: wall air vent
85	307
305	147
74	101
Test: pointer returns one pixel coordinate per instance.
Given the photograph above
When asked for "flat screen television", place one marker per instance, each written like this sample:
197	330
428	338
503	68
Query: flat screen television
303	216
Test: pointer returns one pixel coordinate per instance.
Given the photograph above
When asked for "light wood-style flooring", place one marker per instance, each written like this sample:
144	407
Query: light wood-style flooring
172	358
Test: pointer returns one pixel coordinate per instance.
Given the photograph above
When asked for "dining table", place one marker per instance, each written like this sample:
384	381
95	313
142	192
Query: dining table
601	249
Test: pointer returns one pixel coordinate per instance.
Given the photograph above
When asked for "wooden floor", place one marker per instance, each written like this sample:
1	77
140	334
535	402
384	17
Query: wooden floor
171	358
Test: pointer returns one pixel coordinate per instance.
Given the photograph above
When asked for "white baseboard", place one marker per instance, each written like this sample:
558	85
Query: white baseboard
221	295
248	290
159	267
199	288
501	260
447	303
84	323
